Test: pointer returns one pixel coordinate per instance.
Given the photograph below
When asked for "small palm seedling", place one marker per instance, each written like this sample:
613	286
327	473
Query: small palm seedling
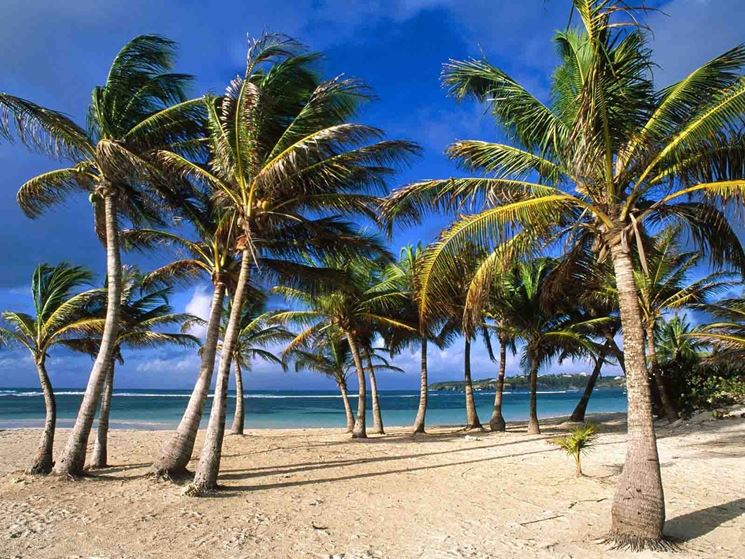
577	442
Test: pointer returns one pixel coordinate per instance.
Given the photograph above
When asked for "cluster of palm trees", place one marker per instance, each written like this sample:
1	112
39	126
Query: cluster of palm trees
568	234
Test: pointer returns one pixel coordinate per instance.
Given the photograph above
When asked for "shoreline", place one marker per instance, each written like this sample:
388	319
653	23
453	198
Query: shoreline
117	425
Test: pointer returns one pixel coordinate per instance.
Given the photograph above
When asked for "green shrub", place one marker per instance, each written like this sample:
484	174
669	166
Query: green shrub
577	442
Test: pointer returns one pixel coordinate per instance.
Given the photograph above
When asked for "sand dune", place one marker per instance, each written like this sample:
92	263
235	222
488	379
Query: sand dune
315	493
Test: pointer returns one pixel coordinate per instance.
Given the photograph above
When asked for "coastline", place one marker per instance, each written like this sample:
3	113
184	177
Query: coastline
313	492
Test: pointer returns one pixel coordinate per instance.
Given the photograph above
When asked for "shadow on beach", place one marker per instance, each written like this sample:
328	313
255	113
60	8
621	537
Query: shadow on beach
698	523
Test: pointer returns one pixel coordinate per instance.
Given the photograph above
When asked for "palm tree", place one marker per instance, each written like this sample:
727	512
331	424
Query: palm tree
144	312
346	308
329	355
727	334
211	255
60	315
255	334
497	311
662	286
282	149
141	107
608	156
395	296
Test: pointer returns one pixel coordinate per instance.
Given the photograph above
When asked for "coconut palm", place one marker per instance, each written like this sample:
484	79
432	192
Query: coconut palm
346	309
143	315
210	255
605	158
61	313
141	107
663	285
395	296
282	149
256	333
727	333
497	313
329	355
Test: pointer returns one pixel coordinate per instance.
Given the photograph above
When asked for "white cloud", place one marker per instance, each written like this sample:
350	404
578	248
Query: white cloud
186	364
199	305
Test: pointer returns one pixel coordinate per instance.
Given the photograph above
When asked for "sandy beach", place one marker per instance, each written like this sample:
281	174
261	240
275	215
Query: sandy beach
316	493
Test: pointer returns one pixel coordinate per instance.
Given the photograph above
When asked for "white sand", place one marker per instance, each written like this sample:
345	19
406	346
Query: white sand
316	493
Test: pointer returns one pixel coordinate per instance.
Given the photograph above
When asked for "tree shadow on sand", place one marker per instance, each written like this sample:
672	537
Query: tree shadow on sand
698	523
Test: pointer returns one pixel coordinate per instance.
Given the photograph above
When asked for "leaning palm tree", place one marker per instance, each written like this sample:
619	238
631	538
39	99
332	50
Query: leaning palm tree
144	314
141	107
211	255
606	158
61	314
282	149
663	286
256	333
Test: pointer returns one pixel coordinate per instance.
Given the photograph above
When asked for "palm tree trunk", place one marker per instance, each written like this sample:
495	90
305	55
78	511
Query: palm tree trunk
43	463
72	460
421	412
534	427
238	416
579	411
377	417
638	510
496	423
347	406
100	456
472	418
668	407
176	452
208	468
360	429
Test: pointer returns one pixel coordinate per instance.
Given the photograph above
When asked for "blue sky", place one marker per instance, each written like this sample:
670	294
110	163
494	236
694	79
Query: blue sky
54	52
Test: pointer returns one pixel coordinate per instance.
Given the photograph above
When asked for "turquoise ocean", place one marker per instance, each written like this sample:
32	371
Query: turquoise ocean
162	409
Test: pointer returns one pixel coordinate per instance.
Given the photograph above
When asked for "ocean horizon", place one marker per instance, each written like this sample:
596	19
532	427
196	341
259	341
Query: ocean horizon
162	409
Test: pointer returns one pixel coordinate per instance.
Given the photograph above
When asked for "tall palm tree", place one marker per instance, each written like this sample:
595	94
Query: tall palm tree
144	313
607	156
256	332
663	285
210	255
141	107
62	313
282	149
506	338
396	296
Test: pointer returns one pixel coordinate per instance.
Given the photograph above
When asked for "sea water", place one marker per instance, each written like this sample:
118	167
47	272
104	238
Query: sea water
162	409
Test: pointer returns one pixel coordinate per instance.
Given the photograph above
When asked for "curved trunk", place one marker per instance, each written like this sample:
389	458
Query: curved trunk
208	468
43	463
638	510
72	460
100	456
668	407
421	412
176	452
472	418
238	416
534	427
377	417
579	411
360	429
496	423
347	406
